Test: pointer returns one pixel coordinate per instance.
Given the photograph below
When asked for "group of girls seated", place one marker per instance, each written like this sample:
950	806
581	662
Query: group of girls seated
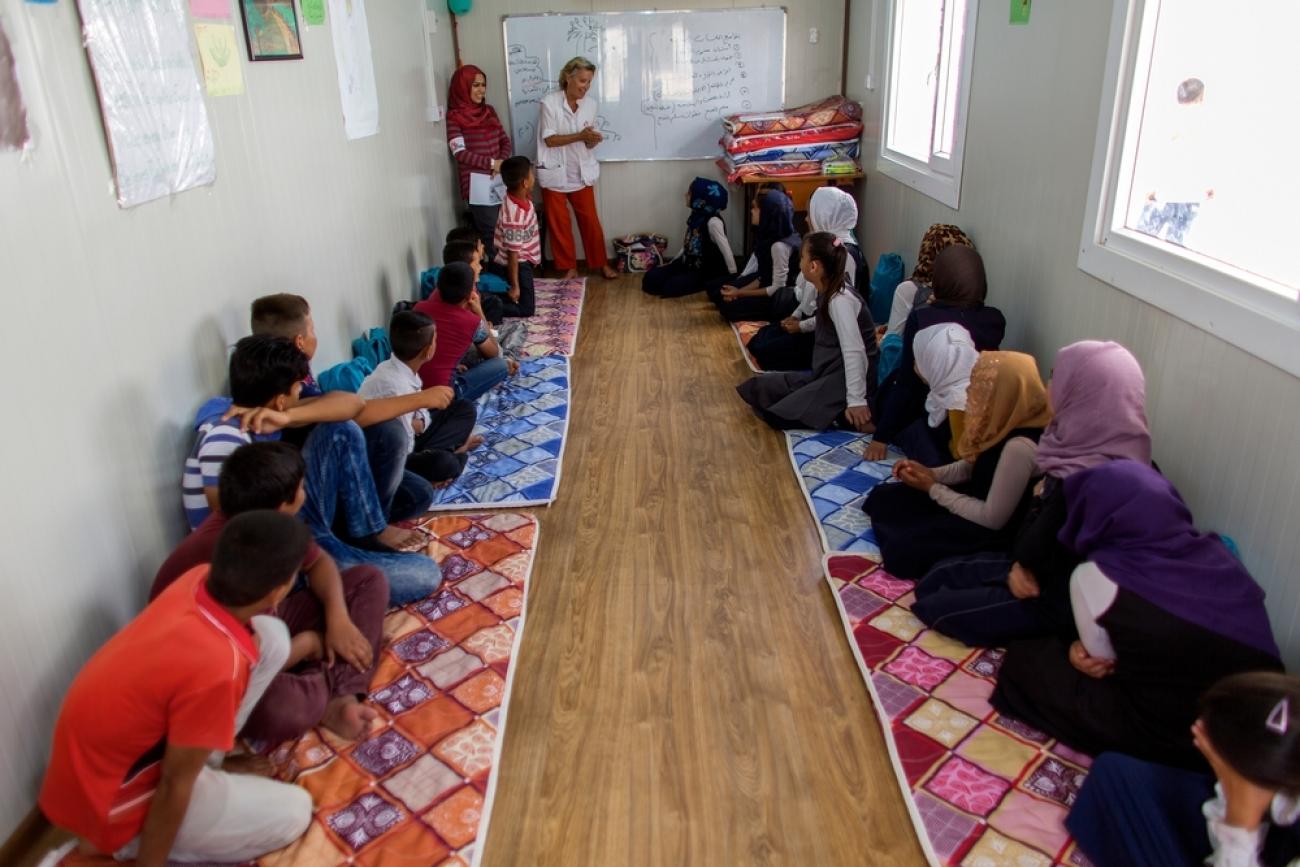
1032	517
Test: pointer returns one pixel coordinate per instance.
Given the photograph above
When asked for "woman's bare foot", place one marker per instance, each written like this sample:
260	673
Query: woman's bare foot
608	273
570	274
470	444
347	717
400	539
247	763
306	646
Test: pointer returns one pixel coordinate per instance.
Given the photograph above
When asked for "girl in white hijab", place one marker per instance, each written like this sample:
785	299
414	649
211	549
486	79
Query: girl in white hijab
788	344
945	355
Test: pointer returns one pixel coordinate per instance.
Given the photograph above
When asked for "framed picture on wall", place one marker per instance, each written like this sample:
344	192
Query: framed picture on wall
271	28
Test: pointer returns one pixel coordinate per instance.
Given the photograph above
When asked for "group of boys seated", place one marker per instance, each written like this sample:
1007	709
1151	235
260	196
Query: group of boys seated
265	621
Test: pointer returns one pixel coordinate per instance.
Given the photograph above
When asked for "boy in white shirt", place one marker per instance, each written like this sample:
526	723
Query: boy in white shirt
438	440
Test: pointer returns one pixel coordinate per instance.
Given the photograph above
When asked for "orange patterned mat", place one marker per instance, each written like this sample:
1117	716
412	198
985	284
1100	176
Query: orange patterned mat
418	789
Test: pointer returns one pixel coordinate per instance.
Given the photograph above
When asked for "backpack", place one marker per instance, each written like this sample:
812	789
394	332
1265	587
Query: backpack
374	346
888	274
347	376
639	253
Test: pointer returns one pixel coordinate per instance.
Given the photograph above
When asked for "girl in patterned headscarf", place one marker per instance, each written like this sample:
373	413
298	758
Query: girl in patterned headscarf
971	504
706	253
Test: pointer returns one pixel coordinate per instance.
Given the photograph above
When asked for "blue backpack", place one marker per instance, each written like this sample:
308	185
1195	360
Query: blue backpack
347	376
374	346
889	273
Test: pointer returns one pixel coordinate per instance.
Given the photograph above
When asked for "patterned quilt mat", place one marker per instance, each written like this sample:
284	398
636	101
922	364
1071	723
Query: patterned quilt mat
983	790
836	479
524	423
418	789
745	332
553	329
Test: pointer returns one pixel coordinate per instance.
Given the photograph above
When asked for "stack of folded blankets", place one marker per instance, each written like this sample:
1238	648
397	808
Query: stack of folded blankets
818	138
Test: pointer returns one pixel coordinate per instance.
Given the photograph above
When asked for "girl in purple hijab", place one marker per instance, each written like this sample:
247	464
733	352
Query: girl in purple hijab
1098	398
1162	612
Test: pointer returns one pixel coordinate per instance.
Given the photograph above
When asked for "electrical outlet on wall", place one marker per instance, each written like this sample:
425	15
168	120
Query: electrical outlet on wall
813	35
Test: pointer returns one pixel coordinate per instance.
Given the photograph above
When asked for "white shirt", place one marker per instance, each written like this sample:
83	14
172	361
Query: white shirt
393	378
570	168
844	310
1091	595
1238	847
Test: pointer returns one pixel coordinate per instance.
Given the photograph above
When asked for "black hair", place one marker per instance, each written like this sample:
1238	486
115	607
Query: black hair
459	251
825	248
411	333
281	315
1191	90
455	282
771	185
1253	722
263	367
263	475
463	233
256	553
514	172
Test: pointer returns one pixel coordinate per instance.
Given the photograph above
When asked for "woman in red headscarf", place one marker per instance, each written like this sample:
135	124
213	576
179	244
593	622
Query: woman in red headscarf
478	141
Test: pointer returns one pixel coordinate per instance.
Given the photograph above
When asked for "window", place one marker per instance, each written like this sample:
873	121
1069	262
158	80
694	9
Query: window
930	44
1191	198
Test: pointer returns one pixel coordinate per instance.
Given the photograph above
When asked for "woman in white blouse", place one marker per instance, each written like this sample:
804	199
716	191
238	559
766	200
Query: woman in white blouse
567	169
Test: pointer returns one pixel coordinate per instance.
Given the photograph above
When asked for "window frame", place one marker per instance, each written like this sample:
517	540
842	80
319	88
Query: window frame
940	178
1206	293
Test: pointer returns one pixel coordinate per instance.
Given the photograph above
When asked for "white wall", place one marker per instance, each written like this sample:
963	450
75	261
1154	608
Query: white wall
647	196
115	323
1224	422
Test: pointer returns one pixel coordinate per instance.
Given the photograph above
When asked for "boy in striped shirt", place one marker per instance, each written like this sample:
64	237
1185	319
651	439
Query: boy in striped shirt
517	240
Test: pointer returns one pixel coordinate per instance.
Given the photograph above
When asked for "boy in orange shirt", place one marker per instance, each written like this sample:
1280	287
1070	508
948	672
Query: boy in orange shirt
134	765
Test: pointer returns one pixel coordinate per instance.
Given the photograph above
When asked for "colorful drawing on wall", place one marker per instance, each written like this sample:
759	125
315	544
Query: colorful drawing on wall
210	8
219	53
13	116
272	29
313	12
1020	11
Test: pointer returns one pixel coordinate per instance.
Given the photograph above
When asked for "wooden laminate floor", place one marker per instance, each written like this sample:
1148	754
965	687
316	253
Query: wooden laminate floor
685	693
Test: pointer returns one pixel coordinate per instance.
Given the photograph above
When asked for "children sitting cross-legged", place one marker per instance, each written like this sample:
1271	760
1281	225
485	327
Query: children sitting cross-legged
489	284
335	619
518	239
706	253
1134	813
136	764
972	504
788	344
471	253
460	327
437	440
402	494
843	376
266	378
766	290
1098	400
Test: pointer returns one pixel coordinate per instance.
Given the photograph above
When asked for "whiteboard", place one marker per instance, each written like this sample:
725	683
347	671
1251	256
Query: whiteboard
664	80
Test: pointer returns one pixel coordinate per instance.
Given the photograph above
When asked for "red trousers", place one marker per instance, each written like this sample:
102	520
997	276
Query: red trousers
561	229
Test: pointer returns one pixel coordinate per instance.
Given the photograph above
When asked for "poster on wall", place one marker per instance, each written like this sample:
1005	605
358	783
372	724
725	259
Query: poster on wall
271	27
356	68
219	54
13	115
155	119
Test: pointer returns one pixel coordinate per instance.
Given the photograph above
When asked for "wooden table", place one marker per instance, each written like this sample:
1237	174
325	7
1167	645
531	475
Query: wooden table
800	190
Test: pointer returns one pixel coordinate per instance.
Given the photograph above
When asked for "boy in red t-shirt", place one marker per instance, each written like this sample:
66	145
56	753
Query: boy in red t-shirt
459	321
134	765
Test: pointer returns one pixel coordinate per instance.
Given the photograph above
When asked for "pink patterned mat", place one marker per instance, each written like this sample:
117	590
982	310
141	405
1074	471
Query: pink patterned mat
745	332
983	790
553	329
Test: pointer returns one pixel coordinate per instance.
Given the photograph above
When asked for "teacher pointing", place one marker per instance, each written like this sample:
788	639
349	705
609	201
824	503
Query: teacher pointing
567	168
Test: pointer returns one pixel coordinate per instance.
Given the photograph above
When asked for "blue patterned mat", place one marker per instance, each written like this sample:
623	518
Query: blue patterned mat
835	480
523	424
